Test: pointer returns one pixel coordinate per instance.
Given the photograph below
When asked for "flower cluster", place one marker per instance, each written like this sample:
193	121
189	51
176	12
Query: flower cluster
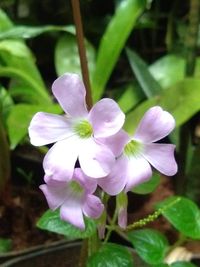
94	140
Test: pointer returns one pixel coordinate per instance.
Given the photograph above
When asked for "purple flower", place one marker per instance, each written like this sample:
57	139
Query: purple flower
133	164
74	198
77	132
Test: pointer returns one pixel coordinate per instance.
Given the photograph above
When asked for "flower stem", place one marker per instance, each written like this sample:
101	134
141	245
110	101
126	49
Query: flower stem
112	223
82	51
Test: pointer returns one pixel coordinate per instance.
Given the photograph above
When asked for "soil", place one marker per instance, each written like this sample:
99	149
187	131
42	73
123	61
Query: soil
18	219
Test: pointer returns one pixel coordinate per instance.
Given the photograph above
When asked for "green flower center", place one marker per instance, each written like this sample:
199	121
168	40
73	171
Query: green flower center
76	188
133	148
83	129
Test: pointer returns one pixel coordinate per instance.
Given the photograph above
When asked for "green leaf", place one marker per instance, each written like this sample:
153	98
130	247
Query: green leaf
18	62
149	186
131	97
5	22
160	265
6	103
149	244
170	69
182	264
27	32
181	100
22	92
113	41
19	119
67	56
193	181
133	118
5	245
51	221
149	85
111	255
183	214
27	83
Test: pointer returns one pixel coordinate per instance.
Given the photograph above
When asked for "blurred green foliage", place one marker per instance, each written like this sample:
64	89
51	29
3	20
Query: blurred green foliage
136	53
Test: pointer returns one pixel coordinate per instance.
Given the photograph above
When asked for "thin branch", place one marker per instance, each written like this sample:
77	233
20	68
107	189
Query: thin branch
82	51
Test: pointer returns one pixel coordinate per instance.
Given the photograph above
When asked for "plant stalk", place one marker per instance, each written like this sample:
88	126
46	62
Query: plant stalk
82	51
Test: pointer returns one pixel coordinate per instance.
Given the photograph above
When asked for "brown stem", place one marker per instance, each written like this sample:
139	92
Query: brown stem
81	49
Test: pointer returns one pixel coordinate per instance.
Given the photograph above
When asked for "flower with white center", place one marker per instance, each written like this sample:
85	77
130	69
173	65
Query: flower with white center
77	132
74	198
132	166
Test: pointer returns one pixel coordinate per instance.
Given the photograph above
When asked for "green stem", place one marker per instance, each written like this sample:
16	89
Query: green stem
112	224
191	48
84	254
81	49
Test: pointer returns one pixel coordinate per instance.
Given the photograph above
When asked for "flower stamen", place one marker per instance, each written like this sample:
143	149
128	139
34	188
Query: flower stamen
133	148
83	129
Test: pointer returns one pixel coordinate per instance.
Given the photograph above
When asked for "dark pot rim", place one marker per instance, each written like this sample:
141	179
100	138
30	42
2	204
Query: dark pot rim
17	253
31	253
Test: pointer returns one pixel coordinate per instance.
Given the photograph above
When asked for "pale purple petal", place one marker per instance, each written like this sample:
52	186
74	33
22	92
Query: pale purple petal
101	230
89	184
71	211
93	207
55	195
95	159
138	171
122	217
60	160
116	142
46	128
70	92
155	125
161	156
115	182
106	118
101	225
